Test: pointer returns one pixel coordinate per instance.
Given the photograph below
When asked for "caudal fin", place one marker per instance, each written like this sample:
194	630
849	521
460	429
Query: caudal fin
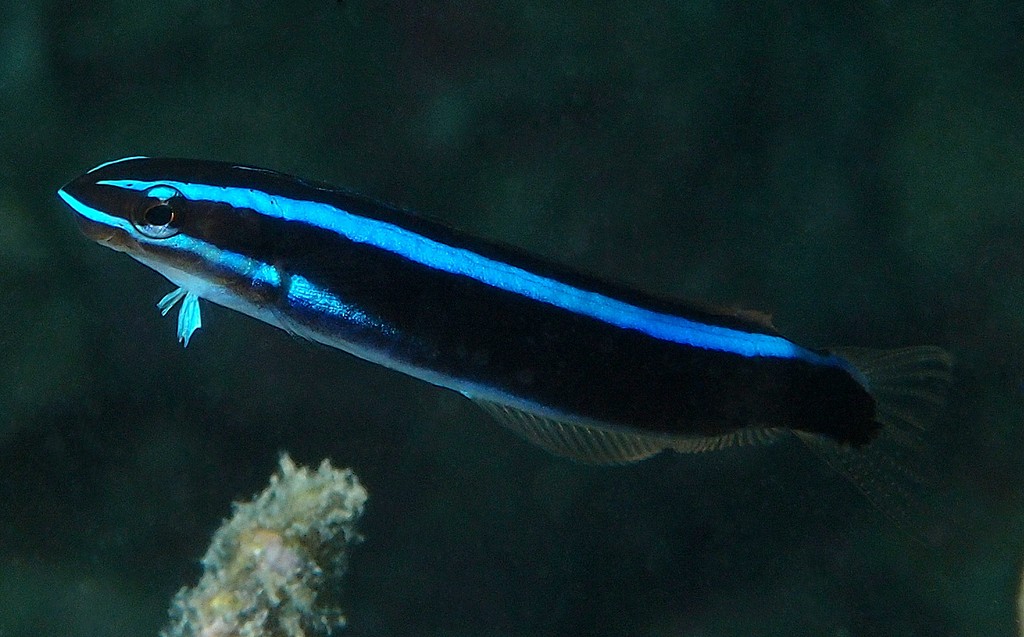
909	386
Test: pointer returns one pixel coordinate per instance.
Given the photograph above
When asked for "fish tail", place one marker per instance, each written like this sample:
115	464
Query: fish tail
909	386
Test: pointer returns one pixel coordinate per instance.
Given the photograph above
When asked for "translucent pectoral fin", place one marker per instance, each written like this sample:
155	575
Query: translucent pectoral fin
189	317
170	299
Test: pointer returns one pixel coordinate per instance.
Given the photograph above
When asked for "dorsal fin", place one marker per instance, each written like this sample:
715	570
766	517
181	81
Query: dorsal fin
764	319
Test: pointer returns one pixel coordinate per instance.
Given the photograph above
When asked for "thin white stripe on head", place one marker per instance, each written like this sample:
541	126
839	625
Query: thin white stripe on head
116	161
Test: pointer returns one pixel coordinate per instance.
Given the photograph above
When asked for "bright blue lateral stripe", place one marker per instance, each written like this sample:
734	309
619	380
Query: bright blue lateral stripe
460	261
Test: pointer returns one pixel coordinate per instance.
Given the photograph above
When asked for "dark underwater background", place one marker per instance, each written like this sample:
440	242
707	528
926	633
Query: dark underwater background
854	168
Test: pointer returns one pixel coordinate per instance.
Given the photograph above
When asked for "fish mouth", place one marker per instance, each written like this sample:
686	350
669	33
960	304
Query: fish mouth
95	231
90	221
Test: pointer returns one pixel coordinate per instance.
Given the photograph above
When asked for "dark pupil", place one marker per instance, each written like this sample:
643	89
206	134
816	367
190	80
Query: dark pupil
159	215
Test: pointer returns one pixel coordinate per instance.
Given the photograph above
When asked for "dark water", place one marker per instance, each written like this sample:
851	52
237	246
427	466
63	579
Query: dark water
854	168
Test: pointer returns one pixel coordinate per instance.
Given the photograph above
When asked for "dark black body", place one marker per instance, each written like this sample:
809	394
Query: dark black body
488	342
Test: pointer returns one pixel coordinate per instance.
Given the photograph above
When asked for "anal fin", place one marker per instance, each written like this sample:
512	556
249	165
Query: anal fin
602	445
739	438
583	443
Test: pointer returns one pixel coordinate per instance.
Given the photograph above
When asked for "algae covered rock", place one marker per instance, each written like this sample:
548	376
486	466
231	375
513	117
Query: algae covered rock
274	569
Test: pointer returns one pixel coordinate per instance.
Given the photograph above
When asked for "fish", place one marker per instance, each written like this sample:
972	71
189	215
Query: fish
583	367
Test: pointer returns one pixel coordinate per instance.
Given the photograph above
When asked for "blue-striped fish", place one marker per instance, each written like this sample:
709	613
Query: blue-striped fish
582	367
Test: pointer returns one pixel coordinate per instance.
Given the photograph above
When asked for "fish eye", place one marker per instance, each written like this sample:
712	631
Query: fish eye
157	217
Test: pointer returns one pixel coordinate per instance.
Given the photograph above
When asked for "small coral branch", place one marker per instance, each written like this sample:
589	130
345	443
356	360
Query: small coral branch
274	569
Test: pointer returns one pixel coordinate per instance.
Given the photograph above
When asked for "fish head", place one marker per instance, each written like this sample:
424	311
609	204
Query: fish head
157	211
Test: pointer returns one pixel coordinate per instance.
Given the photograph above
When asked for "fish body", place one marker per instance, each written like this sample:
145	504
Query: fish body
583	367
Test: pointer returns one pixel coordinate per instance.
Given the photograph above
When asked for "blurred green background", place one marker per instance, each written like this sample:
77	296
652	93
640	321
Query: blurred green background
855	168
